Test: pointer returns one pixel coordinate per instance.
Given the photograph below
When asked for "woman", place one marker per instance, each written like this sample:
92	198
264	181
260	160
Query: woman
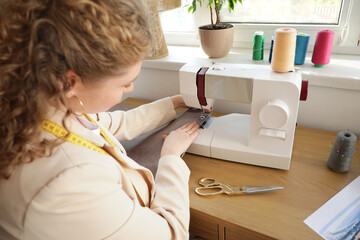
63	63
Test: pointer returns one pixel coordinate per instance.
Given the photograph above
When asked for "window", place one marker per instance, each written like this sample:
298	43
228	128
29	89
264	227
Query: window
177	20
307	16
326	12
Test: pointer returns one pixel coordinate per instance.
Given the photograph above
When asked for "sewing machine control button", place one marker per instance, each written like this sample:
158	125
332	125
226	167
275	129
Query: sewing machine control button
274	114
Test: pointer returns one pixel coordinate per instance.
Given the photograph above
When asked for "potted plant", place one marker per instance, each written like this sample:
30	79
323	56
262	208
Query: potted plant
216	38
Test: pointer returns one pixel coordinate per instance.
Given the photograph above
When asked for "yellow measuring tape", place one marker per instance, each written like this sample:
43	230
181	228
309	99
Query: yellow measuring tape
62	133
101	131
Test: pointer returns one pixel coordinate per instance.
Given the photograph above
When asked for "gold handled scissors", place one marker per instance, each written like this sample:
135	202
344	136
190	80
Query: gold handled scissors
211	186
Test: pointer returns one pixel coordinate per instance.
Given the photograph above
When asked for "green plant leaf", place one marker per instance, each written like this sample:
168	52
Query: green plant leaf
231	4
220	4
190	9
210	3
193	6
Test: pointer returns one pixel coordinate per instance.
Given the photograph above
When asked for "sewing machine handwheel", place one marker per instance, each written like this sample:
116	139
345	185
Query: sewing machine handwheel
274	114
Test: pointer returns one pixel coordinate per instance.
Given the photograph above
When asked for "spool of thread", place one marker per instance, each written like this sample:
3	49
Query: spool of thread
258	46
283	56
322	48
271	47
342	152
302	43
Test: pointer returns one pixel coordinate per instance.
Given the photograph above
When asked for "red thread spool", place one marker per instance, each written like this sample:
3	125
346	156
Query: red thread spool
322	48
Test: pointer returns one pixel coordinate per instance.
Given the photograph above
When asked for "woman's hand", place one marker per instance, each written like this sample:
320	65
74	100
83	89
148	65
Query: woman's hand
178	101
179	140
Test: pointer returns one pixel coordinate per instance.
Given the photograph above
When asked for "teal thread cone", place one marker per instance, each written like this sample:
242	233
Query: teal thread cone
302	43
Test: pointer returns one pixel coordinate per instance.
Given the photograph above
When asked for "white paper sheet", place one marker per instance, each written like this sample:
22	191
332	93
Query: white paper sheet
339	218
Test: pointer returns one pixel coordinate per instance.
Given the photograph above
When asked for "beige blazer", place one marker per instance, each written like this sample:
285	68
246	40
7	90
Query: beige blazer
79	193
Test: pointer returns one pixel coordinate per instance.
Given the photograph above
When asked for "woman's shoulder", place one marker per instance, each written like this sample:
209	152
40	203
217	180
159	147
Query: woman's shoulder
67	171
66	159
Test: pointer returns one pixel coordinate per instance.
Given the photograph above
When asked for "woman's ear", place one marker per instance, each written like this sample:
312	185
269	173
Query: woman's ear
75	83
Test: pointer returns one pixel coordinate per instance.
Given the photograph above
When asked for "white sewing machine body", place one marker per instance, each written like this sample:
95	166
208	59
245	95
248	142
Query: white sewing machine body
265	137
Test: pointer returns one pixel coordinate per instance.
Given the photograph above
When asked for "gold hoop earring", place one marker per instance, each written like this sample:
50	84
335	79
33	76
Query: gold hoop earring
82	107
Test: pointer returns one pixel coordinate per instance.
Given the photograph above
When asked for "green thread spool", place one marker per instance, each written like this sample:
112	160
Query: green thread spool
258	46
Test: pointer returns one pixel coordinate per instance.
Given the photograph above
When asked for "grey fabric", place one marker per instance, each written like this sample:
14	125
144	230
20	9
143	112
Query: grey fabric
145	149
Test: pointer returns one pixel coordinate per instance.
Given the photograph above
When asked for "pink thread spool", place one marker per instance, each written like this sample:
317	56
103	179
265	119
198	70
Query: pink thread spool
322	48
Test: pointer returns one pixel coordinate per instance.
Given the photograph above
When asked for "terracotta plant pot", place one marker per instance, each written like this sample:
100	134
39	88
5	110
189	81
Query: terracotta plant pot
216	43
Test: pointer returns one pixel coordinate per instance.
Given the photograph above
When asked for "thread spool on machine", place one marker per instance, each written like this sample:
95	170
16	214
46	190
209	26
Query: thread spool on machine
283	55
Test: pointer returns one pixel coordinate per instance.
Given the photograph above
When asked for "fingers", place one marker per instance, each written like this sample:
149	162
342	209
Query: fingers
193	130
184	127
178	141
194	134
189	127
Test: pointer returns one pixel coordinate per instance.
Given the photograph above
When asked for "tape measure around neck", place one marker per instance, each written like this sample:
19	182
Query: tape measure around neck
101	131
62	133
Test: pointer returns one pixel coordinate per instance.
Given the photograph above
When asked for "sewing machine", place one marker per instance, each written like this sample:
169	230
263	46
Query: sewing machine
265	137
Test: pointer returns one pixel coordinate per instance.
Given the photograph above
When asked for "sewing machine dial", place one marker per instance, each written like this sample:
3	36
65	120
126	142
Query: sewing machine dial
274	114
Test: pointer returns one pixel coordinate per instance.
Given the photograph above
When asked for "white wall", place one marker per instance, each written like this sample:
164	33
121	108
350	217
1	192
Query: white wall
326	108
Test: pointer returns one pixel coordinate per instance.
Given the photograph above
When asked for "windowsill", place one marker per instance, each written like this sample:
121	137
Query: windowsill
343	71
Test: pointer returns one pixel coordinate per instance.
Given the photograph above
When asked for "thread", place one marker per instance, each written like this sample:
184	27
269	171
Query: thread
342	152
322	48
302	43
258	46
271	47
283	56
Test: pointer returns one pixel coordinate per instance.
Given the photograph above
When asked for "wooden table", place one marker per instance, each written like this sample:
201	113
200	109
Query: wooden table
273	215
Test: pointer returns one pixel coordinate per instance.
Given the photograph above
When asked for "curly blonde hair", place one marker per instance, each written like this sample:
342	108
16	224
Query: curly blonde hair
40	40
